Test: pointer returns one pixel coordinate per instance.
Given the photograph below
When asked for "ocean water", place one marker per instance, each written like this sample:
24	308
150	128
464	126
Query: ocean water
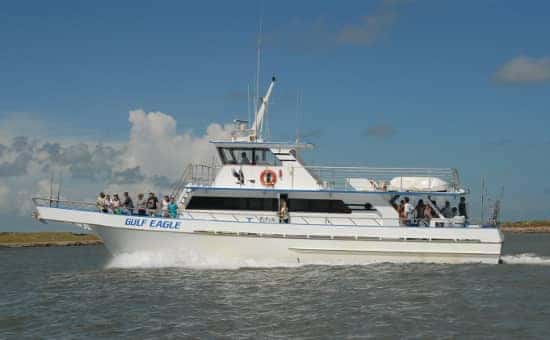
81	292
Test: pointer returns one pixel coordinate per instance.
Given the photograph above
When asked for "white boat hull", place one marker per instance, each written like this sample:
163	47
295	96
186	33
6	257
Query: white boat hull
286	244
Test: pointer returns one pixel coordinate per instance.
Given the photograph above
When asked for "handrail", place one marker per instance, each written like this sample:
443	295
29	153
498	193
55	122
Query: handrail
64	204
337	177
197	174
356	221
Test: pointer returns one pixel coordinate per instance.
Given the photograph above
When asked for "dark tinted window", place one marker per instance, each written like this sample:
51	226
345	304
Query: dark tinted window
232	203
248	156
318	206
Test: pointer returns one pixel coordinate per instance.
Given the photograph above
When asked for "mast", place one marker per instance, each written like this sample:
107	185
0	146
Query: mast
259	57
257	127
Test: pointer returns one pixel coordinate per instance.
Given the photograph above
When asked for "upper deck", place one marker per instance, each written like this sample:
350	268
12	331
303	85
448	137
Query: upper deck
435	181
248	162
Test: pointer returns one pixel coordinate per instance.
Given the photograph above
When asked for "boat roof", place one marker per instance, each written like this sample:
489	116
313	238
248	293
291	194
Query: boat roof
268	145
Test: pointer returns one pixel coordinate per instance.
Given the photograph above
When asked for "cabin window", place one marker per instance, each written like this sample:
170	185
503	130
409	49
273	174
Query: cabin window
227	156
232	203
248	156
318	206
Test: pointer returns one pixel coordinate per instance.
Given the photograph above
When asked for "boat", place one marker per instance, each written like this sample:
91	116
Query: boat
263	203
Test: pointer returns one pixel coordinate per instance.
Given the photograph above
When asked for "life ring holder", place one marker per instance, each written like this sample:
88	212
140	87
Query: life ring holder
268	178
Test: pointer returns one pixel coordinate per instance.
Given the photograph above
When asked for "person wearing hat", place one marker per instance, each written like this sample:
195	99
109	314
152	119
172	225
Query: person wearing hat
101	203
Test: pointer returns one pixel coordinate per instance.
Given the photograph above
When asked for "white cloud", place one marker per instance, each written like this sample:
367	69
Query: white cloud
157	149
10	122
154	156
524	70
304	36
369	28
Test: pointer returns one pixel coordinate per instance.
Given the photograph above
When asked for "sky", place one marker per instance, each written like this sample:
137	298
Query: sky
121	95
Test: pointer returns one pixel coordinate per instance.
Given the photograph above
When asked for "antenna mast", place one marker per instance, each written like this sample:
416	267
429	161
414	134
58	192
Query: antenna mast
51	189
298	112
257	127
259	57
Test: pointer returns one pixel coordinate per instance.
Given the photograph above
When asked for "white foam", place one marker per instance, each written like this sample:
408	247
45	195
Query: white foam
526	258
186	259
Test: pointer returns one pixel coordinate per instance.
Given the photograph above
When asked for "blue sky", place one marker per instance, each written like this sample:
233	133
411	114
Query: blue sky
462	84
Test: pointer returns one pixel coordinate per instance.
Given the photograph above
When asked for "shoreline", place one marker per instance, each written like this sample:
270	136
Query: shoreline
527	227
47	239
51	244
526	230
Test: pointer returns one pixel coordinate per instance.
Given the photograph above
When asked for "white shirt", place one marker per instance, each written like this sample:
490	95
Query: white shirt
408	210
164	205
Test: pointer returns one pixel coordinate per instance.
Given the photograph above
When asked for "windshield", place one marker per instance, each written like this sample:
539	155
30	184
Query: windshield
248	156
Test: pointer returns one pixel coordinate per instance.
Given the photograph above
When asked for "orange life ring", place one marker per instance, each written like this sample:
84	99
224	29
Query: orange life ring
268	178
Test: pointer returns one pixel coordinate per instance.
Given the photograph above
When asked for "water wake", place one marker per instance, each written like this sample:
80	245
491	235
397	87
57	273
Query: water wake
526	258
185	259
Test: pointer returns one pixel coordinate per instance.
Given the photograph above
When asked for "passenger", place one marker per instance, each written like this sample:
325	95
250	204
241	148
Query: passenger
283	213
446	211
141	205
244	158
420	209
427	214
128	204
401	212
164	206
409	212
100	203
108	203
462	208
454	212
115	205
173	208
152	203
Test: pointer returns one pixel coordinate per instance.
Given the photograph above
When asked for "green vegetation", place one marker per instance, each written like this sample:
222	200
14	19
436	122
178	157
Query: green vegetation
521	224
46	239
535	226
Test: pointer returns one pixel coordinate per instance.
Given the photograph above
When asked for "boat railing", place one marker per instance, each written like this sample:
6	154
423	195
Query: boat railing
382	179
339	178
272	218
64	204
323	219
194	174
